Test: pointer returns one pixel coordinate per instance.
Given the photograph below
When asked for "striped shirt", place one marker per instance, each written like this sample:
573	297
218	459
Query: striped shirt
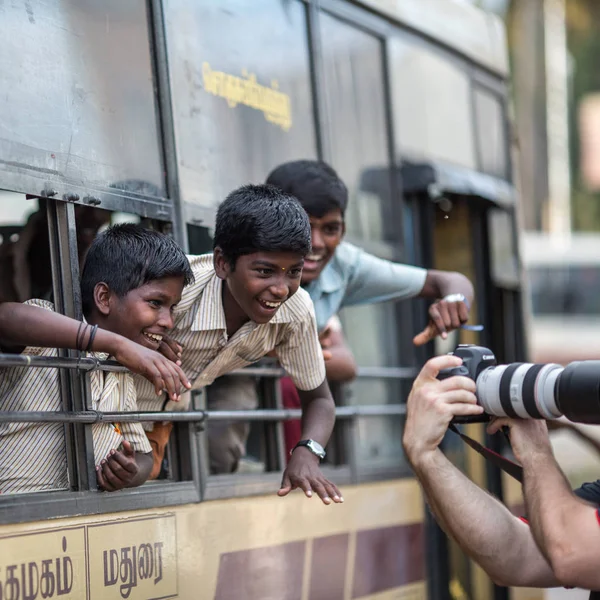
33	455
208	353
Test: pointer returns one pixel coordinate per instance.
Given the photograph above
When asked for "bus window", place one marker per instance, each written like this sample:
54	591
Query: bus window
491	133
354	81
431	103
241	93
81	107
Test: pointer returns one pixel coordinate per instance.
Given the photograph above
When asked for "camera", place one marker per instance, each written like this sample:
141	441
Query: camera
530	391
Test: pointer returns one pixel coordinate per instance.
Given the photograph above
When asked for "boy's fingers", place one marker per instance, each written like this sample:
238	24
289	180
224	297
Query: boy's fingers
185	382
168	351
286	486
100	478
321	491
169	381
128	448
333	492
122	465
112	482
426	335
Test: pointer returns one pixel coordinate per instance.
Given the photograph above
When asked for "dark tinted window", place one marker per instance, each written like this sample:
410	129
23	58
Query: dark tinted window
353	62
568	290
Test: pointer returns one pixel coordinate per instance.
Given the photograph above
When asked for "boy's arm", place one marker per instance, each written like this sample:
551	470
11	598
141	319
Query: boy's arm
340	366
375	279
24	325
447	313
301	356
318	418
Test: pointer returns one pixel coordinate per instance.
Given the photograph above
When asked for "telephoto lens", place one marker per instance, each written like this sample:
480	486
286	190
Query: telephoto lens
531	391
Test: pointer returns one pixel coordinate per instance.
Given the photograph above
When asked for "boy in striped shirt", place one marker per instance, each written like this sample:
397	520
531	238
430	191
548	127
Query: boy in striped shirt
246	301
131	282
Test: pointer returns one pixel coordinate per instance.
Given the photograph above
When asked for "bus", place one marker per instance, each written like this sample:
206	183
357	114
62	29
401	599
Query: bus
563	275
152	111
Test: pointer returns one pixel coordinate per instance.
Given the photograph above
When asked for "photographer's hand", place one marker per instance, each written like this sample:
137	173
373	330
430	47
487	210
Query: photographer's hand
432	404
528	437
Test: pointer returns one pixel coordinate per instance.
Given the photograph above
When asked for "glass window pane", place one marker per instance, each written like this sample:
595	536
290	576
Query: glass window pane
353	65
431	103
491	135
78	102
241	92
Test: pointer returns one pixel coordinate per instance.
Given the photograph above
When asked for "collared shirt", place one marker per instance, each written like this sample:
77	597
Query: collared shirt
354	277
33	455
208	353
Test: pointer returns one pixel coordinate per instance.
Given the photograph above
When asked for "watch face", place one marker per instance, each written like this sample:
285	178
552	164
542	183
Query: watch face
316	448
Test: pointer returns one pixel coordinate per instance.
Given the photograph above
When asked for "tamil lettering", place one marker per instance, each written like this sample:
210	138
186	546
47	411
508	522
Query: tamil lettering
47	578
130	564
274	104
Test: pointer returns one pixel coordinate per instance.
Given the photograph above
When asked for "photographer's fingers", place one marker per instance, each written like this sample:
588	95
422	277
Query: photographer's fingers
433	366
458	396
497	424
458	382
462	409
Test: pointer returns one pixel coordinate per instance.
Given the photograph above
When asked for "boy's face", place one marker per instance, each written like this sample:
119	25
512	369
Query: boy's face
327	232
260	283
144	314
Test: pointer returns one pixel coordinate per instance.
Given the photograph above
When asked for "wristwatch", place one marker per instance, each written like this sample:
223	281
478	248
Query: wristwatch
313	446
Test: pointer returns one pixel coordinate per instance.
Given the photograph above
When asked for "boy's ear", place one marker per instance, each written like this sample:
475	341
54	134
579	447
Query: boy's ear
102	295
221	264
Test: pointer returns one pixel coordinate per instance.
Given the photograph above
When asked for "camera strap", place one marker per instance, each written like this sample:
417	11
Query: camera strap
508	466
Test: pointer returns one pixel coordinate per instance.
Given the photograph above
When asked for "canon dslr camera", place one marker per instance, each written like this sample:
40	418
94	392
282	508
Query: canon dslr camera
530	391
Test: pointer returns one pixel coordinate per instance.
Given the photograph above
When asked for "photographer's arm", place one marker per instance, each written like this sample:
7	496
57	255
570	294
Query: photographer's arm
484	528
566	529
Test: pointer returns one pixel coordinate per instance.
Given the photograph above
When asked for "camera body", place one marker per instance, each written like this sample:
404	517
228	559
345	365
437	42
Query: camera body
475	360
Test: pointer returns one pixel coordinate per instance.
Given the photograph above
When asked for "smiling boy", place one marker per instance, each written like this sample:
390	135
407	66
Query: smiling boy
247	301
131	282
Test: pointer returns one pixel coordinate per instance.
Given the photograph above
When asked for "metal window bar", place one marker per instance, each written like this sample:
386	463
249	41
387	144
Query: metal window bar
89	364
195	419
75	390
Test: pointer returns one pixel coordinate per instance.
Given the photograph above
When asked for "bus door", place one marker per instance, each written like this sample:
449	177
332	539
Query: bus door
464	221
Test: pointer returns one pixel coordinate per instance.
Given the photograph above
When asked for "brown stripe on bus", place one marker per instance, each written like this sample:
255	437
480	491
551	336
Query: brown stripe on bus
388	558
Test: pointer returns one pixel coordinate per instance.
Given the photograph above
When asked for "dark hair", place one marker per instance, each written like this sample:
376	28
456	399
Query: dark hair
314	183
261	218
127	256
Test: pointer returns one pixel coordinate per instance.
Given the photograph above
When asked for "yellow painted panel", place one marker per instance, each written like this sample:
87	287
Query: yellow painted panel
46	565
137	555
176	552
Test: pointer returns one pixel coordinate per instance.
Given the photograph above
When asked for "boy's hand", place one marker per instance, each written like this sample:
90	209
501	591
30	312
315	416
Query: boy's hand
164	374
444	317
303	472
118	469
171	349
